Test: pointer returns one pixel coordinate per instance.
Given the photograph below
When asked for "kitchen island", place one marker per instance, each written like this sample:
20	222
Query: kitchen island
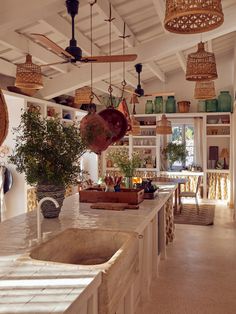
31	286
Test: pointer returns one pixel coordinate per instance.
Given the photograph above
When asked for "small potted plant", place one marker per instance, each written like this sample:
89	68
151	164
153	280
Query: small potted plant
175	152
47	151
127	165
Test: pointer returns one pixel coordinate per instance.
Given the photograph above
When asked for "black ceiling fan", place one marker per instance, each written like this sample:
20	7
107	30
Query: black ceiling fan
73	53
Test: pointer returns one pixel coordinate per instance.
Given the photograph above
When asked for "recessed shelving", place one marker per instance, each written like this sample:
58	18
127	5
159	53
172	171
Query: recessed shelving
221	135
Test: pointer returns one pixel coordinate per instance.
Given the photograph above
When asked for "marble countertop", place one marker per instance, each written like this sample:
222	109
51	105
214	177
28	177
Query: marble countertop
40	287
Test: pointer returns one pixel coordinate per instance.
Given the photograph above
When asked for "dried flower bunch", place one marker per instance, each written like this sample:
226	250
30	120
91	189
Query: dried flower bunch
126	164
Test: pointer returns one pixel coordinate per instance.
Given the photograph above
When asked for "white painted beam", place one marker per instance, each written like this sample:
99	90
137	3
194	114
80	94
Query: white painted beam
209	46
165	46
182	60
160	9
59	24
153	67
103	8
15	14
23	45
7	68
103	87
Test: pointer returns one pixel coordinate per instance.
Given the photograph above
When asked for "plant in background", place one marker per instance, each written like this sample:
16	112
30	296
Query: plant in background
47	151
126	164
175	152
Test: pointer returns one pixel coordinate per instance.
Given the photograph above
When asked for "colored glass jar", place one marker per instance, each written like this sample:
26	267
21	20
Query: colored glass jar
201	106
211	105
158	104
149	106
225	101
170	104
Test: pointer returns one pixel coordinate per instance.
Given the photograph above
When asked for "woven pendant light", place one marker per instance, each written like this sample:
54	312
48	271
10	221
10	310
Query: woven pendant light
205	90
135	126
163	126
201	65
193	16
28	75
83	95
134	101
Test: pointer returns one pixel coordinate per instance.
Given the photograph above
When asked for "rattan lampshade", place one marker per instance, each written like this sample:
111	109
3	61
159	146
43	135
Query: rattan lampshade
135	126
205	90
28	75
83	95
193	16
163	126
201	65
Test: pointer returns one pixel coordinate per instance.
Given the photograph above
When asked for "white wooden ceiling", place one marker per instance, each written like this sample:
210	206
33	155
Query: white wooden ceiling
160	52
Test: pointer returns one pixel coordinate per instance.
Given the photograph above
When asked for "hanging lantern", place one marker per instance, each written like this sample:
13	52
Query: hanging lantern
163	126
83	95
28	75
205	90
193	16
201	65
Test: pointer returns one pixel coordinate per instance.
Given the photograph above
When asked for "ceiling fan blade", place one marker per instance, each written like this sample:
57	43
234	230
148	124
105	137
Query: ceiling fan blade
54	63
114	58
50	45
125	89
160	94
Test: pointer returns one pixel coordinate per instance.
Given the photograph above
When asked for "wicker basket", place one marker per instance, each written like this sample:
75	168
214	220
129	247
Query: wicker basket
28	75
82	96
205	90
193	16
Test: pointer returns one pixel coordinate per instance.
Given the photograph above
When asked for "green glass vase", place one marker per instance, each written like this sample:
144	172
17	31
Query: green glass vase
211	105
149	107
225	102
158	104
170	104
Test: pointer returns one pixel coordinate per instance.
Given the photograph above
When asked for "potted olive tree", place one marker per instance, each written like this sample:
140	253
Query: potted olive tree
47	151
175	152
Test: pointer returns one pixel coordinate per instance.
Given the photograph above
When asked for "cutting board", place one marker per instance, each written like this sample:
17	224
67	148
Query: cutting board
113	206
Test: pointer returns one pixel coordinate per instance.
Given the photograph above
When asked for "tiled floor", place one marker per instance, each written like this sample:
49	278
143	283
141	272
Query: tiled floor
199	275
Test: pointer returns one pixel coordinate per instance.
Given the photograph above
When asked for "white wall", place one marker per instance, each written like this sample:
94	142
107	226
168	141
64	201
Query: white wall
184	90
90	164
16	197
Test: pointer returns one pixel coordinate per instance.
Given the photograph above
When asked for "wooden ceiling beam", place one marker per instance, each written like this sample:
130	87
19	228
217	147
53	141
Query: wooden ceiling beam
154	68
166	45
59	24
40	54
15	14
182	60
103	8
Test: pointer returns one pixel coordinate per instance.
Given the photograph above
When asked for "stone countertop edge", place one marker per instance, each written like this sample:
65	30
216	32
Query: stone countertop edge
55	287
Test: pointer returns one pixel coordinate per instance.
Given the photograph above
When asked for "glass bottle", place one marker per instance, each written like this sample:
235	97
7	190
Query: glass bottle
149	107
170	104
211	105
158	104
225	101
201	106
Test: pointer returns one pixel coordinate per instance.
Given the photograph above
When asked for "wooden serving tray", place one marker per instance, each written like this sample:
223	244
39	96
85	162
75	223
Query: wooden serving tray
150	195
114	206
96	195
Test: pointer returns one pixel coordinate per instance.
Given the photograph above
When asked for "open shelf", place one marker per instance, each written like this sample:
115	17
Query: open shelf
222	135
217	170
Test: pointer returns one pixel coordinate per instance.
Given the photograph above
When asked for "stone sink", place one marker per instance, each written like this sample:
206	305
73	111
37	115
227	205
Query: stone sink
115	253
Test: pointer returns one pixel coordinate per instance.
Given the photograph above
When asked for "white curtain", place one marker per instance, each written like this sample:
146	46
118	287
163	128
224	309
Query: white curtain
198	145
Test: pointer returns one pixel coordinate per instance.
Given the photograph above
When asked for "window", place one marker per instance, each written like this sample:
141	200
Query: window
184	134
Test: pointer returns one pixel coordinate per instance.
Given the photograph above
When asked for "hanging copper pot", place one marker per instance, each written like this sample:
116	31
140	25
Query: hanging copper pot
4	123
95	132
116	121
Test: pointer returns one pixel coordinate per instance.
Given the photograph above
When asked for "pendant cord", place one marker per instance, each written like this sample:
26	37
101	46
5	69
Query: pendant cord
91	49
123	83
110	89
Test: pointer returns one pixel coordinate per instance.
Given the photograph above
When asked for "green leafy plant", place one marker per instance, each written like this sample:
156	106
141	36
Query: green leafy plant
126	164
47	150
175	152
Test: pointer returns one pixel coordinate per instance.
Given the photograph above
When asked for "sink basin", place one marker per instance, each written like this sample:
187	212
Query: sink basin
115	253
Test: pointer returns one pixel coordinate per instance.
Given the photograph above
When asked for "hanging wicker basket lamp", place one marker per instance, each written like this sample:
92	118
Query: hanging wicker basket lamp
205	90
163	126
193	16
201	65
83	95
28	75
